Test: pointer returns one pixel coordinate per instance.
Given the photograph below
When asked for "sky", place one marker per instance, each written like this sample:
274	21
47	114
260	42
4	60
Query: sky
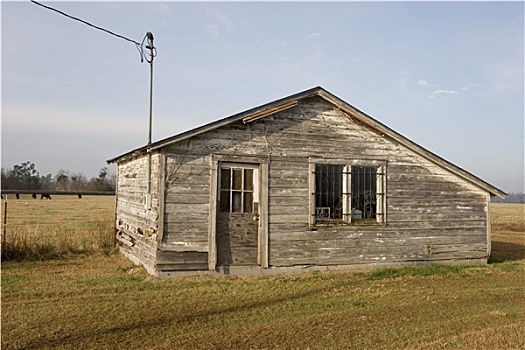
447	75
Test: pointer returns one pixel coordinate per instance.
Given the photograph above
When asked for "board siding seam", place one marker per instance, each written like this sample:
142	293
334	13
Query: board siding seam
489	227
162	198
263	216
212	222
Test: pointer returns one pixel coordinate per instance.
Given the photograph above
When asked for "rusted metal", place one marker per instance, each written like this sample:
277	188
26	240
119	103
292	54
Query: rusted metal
267	112
362	120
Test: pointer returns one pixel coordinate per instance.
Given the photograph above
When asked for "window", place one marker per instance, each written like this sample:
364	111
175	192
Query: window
237	191
364	193
344	193
329	192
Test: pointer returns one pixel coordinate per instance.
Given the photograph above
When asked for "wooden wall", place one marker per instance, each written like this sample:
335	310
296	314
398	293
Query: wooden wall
432	215
184	245
137	227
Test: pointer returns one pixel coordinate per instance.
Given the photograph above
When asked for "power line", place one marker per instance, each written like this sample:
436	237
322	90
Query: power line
138	45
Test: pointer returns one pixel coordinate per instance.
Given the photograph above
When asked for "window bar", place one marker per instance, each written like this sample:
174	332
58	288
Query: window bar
231	190
330	200
242	190
326	188
347	194
366	185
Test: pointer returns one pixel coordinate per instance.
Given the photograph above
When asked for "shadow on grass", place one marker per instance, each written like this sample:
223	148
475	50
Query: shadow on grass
505	251
125	329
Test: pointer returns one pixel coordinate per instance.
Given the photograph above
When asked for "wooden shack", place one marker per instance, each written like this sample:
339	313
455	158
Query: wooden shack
303	183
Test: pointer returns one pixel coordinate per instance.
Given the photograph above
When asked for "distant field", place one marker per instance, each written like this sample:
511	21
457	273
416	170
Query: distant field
102	301
508	231
65	224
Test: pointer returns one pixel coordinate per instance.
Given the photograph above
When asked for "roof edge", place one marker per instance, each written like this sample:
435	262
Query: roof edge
413	146
216	124
268	109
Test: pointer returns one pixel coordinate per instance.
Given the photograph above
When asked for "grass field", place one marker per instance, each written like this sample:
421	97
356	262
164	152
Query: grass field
102	301
508	231
40	229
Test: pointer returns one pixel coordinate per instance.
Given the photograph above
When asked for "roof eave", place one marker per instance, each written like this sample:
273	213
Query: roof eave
434	158
242	116
264	110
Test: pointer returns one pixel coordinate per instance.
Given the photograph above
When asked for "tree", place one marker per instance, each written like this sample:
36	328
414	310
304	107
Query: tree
62	180
21	177
511	198
26	177
103	181
78	182
46	182
7	180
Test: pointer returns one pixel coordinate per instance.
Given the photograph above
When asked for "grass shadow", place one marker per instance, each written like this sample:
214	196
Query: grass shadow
506	251
67	340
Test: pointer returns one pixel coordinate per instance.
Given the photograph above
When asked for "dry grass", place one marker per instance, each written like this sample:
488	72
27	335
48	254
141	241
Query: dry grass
42	229
508	218
104	302
508	232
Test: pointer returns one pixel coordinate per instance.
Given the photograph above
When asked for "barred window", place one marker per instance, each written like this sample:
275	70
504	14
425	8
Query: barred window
329	192
364	192
348	193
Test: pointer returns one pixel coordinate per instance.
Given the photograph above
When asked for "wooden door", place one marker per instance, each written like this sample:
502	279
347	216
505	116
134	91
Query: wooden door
237	235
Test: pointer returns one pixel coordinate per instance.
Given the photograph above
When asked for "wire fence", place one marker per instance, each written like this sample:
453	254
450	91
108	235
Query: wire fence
40	229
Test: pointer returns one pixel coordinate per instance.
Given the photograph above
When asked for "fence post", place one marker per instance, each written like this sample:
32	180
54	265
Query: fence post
5	223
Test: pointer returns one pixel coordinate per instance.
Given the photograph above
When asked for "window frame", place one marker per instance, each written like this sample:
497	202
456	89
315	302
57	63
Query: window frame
254	190
381	176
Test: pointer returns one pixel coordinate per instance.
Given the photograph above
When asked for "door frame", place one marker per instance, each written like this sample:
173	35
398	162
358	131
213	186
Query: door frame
262	162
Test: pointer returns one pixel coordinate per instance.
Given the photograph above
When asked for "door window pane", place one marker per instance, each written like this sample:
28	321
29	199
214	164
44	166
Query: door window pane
237	202
248	202
237	179
225	178
248	179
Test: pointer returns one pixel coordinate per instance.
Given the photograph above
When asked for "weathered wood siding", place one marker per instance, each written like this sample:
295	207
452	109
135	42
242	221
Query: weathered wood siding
184	244
187	201
137	227
432	215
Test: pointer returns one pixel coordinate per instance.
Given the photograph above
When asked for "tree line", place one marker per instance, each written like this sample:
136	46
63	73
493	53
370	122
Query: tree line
25	177
511	198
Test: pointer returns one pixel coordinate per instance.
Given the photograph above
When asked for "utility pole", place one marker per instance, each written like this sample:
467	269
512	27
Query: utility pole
152	53
150	47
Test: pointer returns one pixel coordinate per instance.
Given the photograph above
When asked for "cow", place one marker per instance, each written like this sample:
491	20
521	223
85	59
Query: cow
79	195
33	195
17	196
45	195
